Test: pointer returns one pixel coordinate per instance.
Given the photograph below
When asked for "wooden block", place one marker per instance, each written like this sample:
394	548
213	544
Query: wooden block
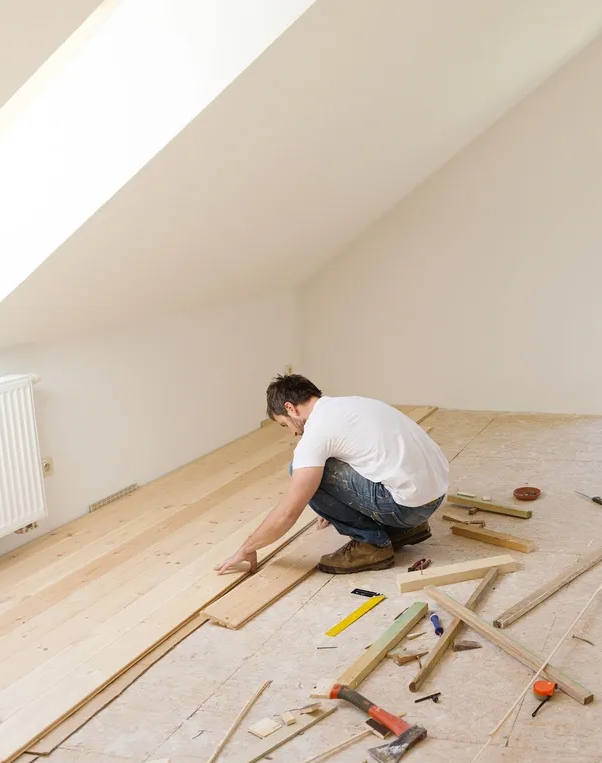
288	718
505	540
494	508
372	656
283	735
455	573
322	689
513	648
274	579
313	707
264	727
452	631
403	657
464	646
548	589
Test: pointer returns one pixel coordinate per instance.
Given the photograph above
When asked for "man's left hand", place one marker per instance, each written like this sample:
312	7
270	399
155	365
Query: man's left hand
240	556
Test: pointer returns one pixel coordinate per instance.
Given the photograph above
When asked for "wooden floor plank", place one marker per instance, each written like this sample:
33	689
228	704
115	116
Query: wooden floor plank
30	603
183	486
22	678
65	600
21	582
51	703
282	573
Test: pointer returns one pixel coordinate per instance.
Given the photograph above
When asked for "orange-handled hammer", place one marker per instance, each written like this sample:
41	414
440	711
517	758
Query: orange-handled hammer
407	735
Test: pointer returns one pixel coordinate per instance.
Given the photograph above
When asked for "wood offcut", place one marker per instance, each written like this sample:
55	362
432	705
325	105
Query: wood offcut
494	508
532	600
505	540
455	573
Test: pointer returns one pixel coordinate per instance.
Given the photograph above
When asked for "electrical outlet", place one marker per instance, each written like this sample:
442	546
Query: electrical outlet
48	467
288	369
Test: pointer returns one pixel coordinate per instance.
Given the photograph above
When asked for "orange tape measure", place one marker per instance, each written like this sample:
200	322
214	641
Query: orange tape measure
544	691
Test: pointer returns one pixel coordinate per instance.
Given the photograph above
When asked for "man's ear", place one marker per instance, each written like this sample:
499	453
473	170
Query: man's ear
289	408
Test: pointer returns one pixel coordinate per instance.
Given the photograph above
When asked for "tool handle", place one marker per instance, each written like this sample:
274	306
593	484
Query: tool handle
392	722
437	625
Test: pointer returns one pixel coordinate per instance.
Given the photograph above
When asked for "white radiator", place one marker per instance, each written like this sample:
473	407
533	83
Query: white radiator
22	498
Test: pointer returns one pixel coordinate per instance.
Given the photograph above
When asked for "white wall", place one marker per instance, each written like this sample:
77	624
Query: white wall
482	290
129	406
143	75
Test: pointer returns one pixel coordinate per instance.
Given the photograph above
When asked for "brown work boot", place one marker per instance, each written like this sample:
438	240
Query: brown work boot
357	557
410	537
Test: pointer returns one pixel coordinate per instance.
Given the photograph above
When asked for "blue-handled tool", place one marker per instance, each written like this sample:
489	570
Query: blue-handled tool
437	624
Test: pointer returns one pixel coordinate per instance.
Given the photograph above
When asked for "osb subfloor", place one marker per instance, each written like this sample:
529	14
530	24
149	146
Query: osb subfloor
181	707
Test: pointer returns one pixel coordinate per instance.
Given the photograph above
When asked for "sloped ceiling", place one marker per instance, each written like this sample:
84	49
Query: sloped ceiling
30	31
342	117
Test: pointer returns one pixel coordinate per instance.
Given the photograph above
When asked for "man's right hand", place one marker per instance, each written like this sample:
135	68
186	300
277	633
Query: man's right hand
322	523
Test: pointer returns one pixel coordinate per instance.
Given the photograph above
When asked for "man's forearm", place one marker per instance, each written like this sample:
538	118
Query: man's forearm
274	526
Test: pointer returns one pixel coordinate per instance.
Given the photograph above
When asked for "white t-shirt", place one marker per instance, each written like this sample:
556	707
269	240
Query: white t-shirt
380	443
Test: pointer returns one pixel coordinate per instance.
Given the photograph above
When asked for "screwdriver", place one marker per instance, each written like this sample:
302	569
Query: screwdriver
595	498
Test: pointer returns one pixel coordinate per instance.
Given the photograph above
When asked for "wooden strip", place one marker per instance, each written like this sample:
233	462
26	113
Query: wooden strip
494	508
445	641
505	540
280	737
372	656
282	573
338	747
530	659
548	589
20	729
76	720
183	486
455	573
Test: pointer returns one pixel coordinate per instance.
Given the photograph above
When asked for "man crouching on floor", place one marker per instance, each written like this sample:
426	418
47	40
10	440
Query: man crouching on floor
362	466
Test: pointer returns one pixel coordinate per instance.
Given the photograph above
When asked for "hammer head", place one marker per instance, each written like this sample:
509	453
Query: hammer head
392	752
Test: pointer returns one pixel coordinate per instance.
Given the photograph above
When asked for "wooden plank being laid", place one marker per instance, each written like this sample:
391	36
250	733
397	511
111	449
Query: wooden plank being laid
63	693
494	508
446	640
532	600
505	540
280	737
372	656
455	573
527	657
76	720
243	603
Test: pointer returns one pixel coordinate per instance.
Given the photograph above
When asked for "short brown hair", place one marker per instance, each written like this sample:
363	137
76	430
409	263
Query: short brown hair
292	388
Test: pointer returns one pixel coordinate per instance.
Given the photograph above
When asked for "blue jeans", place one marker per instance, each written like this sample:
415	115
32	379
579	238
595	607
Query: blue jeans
362	509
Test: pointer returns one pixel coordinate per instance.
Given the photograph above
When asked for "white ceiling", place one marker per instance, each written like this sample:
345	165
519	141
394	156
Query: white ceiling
30	31
343	116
